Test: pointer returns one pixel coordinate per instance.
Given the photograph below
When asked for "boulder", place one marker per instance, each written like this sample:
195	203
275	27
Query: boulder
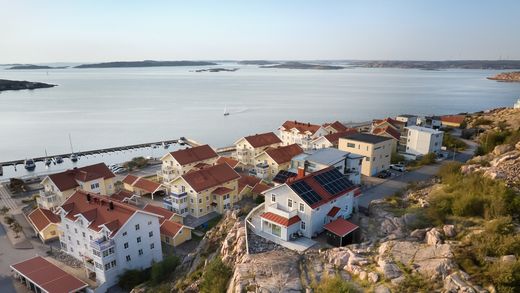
508	258
433	237
397	281
389	269
382	289
404	251
363	275
502	149
458	282
419	233
449	230
434	261
373	277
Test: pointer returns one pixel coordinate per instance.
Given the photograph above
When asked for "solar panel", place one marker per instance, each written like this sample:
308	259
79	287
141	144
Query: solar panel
283	175
306	192
333	181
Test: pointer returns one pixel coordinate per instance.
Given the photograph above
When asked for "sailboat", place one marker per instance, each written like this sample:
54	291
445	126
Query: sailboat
73	156
226	113
48	161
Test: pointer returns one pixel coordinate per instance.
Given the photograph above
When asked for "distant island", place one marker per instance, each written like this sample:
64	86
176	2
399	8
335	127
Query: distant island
257	62
435	65
145	63
216	70
13	85
31	66
299	65
507	76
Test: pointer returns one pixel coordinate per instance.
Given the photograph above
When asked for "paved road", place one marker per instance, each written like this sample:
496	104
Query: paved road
393	185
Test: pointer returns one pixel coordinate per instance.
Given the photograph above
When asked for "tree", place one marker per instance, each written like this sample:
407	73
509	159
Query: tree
17	228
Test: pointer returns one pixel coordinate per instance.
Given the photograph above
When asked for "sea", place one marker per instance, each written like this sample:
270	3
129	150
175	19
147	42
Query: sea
110	107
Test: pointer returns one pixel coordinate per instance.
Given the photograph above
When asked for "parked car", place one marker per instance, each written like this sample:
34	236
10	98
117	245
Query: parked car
398	167
119	170
384	174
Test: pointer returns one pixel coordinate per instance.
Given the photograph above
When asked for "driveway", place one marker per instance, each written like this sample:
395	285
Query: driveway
395	184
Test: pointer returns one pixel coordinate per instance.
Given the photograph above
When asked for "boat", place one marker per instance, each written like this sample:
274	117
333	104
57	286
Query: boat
29	165
73	157
58	160
226	113
165	145
1	170
48	161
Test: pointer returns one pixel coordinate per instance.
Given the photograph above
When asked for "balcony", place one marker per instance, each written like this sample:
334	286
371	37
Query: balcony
101	243
178	194
262	165
276	209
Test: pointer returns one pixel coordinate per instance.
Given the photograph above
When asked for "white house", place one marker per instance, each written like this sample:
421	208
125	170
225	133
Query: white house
434	122
303	134
517	105
109	237
304	205
409	120
177	163
348	164
422	140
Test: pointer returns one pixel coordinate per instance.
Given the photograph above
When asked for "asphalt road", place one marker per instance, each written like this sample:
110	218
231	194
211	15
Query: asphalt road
395	184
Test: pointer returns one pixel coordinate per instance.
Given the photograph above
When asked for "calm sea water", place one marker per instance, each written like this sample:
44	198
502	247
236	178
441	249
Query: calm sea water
111	107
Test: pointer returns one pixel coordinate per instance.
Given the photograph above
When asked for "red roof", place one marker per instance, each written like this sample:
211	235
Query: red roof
69	179
336	125
130	179
146	185
259	188
170	228
334	137
264	139
210	177
388	130
231	162
159	211
41	218
221	190
246	180
300	126
284	154
121	195
48	276
340	227
194	154
333	211
458	119
280	220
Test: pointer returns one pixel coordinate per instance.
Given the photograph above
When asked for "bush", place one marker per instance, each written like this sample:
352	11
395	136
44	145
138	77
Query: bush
216	277
396	158
162	270
482	121
8	220
334	284
413	283
259	199
136	163
4	210
131	278
451	142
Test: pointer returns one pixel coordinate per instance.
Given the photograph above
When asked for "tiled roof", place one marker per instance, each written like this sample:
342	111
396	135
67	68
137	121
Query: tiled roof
280	220
334	137
210	177
368	138
146	185
194	154
129	179
264	139
333	211
231	162
340	227
338	126
159	211
458	119
170	228
221	190
259	188
69	179
300	126
48	276
41	218
246	180
388	130
284	154
121	195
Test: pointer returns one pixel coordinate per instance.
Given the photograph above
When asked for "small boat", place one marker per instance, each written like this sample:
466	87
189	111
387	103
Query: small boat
154	146
58	160
48	161
226	113
1	170
29	165
74	157
165	145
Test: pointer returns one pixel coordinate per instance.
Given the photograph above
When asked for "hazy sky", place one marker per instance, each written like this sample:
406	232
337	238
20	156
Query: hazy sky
95	30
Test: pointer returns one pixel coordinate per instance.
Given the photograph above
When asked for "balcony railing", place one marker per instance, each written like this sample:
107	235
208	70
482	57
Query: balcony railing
262	165
47	195
102	243
178	194
273	208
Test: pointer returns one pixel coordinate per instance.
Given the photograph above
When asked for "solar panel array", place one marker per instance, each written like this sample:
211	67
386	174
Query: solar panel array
283	175
333	181
306	192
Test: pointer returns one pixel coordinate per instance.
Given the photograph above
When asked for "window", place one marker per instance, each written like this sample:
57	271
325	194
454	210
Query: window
113	263
67	225
96	252
107	267
302	225
77	241
289	203
149	222
191	200
200	210
302	207
140	252
126	245
75	230
69	238
98	265
94	185
367	159
124	233
84	235
137	227
273	197
71	249
150	234
139	239
128	258
200	200
152	246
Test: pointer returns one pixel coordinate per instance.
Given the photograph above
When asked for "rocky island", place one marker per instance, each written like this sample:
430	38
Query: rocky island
145	63
507	76
256	62
217	70
299	65
435	65
13	85
31	66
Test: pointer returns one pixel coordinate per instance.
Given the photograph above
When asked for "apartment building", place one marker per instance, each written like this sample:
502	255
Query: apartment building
300	133
331	140
58	187
271	161
109	237
248	147
422	140
377	151
177	163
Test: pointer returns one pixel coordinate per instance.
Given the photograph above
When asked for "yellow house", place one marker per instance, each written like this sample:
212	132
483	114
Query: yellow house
180	162
377	151
45	223
248	147
173	232
212	189
58	187
269	162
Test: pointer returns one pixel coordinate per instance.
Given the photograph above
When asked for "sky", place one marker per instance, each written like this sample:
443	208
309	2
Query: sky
99	30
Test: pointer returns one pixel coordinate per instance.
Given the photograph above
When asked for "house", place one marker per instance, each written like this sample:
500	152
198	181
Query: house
251	186
141	186
377	151
392	128
430	122
300	133
306	204
340	232
422	140
59	186
173	232
108	237
45	223
331	140
198	193
231	162
409	120
269	162
517	104
177	163
248	147
454	121
389	132
334	127
314	160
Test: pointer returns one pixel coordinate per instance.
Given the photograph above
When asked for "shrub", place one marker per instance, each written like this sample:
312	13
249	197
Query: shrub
131	278
259	199
427	159
413	283
482	121
136	163
216	277
162	270
396	158
8	220
4	210
451	142
334	284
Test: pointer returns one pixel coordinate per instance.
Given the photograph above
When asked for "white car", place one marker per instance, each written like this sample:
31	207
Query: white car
398	167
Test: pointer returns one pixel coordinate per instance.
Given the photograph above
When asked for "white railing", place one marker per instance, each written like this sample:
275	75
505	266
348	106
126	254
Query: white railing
273	208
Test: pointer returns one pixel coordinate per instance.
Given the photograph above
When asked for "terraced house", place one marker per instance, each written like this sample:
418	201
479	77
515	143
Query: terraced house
175	164
271	161
247	148
58	187
198	193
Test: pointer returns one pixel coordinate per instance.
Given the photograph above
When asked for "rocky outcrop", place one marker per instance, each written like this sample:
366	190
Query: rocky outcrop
507	76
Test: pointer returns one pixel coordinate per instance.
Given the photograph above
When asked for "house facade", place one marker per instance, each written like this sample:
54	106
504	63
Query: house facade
430	122
422	140
173	232
175	164
247	148
271	161
109	237
300	133
45	223
58	187
454	121
331	140
376	150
